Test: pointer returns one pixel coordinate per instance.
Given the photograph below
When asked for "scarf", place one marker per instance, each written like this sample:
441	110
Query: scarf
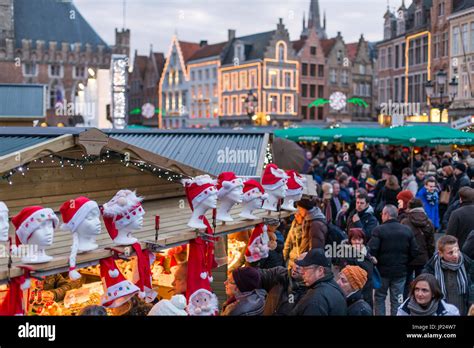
459	268
417	310
432	198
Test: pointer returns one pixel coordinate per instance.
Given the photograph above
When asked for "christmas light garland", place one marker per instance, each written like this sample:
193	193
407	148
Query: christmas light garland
86	160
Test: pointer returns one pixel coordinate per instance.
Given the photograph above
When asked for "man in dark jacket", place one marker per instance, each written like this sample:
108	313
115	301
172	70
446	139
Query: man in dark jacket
324	297
461	222
351	280
284	287
461	180
314	226
394	246
454	272
468	247
363	216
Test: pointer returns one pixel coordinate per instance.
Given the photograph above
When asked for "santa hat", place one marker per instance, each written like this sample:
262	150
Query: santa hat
174	307
3	207
257	247
198	189
117	290
226	182
253	190
13	304
74	213
201	299
29	220
144	260
273	177
296	183
121	210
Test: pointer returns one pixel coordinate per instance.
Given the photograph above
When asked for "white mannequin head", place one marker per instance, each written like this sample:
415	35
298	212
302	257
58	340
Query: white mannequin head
296	186
254	196
39	241
230	194
202	196
4	224
87	231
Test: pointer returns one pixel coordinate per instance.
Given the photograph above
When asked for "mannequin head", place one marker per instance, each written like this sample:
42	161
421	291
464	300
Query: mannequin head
253	197
4	224
91	225
209	203
202	196
43	235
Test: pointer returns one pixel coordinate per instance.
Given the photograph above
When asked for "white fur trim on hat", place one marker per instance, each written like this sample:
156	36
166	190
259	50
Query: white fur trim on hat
80	216
3	207
124	289
33	222
121	203
130	217
278	173
174	307
228	186
213	306
254	194
294	192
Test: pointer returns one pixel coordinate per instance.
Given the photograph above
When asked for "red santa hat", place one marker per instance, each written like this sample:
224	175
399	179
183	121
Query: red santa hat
226	182
13	304
257	247
273	177
121	210
253	190
29	220
296	183
117	289
198	189
74	213
144	260
201	300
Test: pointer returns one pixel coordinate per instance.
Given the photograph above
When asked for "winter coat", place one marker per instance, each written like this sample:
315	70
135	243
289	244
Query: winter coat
59	285
431	210
467	298
444	309
422	227
280	286
323	298
447	215
410	184
275	257
461	223
468	247
462	181
293	243
388	196
314	230
394	246
367	221
249	303
364	262
357	306
345	195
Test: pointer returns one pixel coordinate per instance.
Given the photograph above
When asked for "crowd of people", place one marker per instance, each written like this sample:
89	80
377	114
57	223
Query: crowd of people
385	228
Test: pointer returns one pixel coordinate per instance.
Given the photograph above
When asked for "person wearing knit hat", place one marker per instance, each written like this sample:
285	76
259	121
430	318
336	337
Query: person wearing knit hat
174	307
81	217
461	180
245	295
403	198
352	280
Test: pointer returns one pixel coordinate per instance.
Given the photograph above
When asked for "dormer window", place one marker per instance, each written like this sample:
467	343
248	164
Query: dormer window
418	18
401	23
239	52
387	34
281	51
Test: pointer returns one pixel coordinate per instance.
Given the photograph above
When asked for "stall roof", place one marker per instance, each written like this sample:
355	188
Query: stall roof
211	151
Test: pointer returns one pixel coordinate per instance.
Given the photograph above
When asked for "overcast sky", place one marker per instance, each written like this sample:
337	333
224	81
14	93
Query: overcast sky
155	21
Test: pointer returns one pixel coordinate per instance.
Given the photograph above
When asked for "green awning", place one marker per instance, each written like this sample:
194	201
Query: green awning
405	136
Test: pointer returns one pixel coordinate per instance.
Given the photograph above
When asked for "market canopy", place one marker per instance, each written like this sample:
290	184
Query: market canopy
405	136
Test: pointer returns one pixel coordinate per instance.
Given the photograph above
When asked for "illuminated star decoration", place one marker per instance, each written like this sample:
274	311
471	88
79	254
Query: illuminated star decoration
355	101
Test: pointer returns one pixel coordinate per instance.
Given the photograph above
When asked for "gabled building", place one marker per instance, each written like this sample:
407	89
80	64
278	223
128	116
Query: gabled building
174	85
144	83
49	42
262	66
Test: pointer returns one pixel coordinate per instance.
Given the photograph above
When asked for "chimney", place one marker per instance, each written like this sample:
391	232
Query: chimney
203	43
231	34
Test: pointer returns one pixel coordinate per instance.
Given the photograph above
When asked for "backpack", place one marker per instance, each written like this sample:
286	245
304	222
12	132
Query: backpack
335	234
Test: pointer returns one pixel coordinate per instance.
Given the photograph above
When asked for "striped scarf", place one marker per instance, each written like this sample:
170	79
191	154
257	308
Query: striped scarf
459	268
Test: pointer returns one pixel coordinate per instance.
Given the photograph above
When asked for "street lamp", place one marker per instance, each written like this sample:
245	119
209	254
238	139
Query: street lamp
441	78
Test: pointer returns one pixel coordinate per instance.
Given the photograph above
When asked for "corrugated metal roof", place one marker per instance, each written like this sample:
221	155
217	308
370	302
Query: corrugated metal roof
12	144
22	100
211	152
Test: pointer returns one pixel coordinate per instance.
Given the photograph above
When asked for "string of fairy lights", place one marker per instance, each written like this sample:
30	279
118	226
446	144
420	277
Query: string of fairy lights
80	163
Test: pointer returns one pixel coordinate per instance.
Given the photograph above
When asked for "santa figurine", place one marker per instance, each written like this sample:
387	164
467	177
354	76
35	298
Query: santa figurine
296	184
274	181
258	245
254	196
230	192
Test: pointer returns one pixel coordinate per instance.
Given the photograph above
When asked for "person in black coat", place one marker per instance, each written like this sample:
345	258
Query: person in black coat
461	222
394	247
468	247
351	280
324	297
461	180
363	216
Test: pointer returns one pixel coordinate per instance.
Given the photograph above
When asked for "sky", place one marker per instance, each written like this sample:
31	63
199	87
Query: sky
153	22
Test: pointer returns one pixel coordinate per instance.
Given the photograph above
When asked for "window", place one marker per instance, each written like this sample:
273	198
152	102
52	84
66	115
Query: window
410	54
445	44
404	46
288	104
55	70
56	95
193	75
320	91
441	9
417	43
305	69
389	89
30	69
253	79
410	89
234	105
339	56
436	47
312	91
243	79
472	37
235	81
214	90
313	70
313	50
239	54
425	49
362	69
79	72
287	79
382	91
355	89
226	82
456	41
320	70
281	51
206	92
418	18
200	75
417	85
345	77
396	90
225	106
273	103
312	113
304	90
397	56
304	112
464	38
207	74
382	59
389	58
333	75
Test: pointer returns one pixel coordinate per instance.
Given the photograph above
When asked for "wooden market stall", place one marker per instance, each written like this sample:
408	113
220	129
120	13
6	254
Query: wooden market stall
90	163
